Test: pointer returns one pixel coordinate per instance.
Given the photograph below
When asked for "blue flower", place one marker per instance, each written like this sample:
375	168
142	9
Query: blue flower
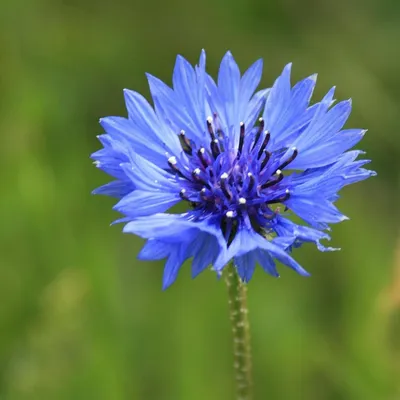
231	155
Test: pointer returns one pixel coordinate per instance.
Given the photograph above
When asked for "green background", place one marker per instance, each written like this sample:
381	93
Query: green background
80	318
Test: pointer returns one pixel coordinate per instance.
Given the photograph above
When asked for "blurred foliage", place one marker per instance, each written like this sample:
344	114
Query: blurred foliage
80	317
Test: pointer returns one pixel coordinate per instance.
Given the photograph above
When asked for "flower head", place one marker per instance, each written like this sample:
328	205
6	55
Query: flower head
241	161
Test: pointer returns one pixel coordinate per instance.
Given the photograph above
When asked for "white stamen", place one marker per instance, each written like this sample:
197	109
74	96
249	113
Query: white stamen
183	191
287	191
182	132
172	160
203	190
229	214
278	172
224	175
197	171
242	200
249	174
294	148
209	119
202	150
261	119
242	123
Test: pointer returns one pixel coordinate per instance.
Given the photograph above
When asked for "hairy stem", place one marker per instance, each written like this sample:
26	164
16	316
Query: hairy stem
237	292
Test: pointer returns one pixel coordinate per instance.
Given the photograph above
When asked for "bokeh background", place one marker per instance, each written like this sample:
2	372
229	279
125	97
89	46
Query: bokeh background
80	318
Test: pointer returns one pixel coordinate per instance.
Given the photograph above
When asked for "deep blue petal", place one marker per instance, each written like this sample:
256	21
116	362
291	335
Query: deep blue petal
173	265
245	265
205	250
266	261
246	240
154	250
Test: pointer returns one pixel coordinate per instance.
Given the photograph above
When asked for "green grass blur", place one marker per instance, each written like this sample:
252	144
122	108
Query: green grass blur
80	318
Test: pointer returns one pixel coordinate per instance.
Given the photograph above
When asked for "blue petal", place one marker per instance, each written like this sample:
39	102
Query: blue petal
216	102
249	83
278	99
247	241
358	175
130	136
148	176
140	112
116	189
285	227
319	110
201	88
294	114
323	132
154	250
111	156
329	150
184	237
174	111
246	265
173	265
186	87
228	86
173	228
316	211
205	250
266	261
141	203
255	106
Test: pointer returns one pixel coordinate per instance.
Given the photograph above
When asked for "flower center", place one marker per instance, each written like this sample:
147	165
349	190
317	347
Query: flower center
234	184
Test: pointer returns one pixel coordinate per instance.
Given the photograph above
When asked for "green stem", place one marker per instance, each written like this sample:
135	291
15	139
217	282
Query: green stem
237	292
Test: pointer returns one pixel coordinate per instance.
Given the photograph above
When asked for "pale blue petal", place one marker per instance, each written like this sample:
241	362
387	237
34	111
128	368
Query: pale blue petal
141	203
116	189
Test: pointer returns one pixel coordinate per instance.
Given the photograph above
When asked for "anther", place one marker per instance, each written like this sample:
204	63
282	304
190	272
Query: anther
259	131
203	194
266	159
196	173
215	148
242	201
264	144
201	155
229	214
289	160
241	139
280	199
274	181
172	163
183	194
185	143
224	186
252	181
210	128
